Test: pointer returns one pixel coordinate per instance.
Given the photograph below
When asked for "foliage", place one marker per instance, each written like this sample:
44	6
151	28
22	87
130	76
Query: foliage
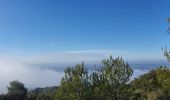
154	85
75	84
165	50
47	93
109	82
17	91
106	83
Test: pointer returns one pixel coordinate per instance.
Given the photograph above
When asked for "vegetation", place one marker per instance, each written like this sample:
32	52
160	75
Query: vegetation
154	85
166	51
16	91
47	93
106	83
111	81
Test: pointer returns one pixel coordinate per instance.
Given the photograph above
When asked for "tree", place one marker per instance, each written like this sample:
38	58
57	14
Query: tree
165	50
17	91
47	93
110	81
2	97
74	85
154	85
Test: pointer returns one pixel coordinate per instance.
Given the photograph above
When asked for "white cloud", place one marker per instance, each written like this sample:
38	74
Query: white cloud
31	77
138	72
68	56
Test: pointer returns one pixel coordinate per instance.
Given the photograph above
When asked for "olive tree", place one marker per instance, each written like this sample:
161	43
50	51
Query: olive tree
17	91
109	82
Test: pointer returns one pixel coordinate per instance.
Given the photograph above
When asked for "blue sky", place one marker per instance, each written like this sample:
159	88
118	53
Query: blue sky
35	26
41	26
37	32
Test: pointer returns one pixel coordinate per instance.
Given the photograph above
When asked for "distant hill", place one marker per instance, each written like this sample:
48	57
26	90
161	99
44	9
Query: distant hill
42	93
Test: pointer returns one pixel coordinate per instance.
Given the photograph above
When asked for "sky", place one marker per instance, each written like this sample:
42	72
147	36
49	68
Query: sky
38	32
35	26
